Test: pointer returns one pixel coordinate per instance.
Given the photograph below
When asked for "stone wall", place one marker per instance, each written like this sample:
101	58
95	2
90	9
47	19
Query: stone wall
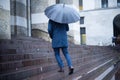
19	16
99	25
40	34
5	19
39	20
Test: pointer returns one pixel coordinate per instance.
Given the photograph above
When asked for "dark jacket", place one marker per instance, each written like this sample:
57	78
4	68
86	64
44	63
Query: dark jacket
58	34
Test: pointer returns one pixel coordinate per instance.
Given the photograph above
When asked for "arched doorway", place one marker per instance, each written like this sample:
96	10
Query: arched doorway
116	28
116	25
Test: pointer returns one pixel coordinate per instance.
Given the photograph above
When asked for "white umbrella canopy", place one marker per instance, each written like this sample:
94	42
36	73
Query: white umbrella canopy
62	13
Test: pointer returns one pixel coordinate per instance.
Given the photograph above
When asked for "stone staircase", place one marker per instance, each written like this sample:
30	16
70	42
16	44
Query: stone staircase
27	58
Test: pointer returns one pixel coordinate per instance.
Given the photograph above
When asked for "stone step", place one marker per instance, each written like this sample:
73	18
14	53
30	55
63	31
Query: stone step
81	69
13	65
11	57
94	73
28	60
24	58
112	71
23	43
8	51
84	69
25	72
16	57
26	50
50	73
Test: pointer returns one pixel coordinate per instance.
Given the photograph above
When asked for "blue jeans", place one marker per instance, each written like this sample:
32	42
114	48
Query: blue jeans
66	54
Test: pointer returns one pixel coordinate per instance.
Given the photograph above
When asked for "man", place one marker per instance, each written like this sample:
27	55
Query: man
58	34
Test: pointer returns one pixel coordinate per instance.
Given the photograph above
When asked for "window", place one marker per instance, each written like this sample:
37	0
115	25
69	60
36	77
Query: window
81	20
57	1
118	3
82	30
104	3
80	5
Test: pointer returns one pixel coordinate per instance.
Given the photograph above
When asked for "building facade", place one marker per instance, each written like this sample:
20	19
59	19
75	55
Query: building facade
97	19
27	18
5	32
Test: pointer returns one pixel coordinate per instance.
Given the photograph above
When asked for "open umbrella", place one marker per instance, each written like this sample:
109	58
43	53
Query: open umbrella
62	13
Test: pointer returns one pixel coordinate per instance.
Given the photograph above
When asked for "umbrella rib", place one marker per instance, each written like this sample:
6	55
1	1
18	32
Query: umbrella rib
62	13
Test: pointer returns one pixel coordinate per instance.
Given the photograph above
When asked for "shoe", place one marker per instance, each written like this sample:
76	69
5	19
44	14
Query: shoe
71	70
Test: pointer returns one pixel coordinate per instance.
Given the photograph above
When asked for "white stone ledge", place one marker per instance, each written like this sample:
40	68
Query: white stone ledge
20	21
100	77
39	18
